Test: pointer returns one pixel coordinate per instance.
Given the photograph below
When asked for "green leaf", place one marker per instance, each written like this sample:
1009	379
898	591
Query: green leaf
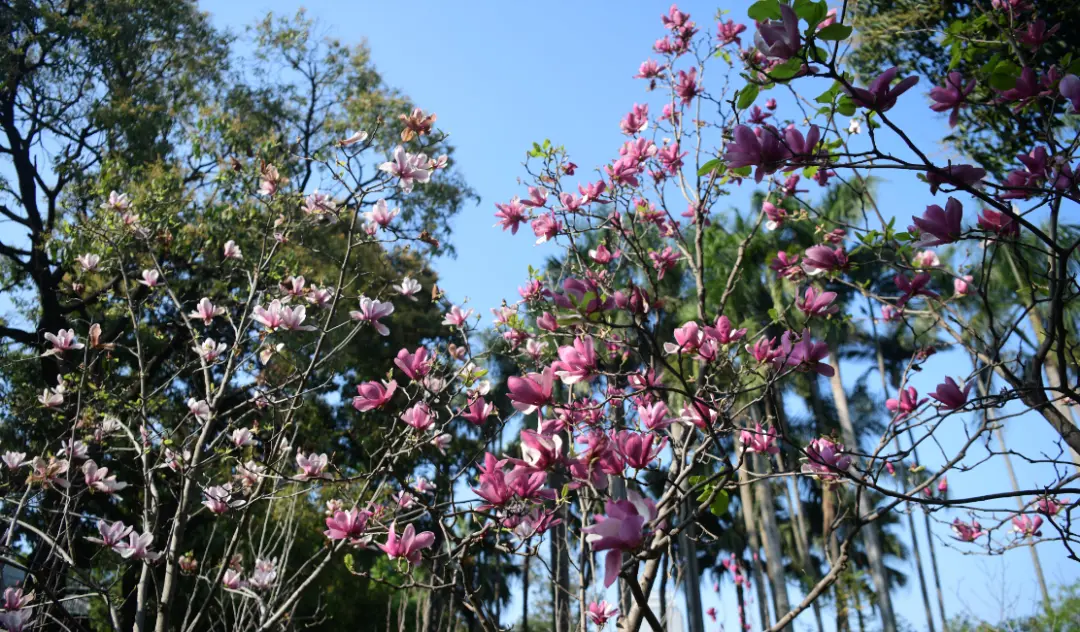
846	106
829	95
810	172
764	10
743	171
713	165
350	563
787	70
747	96
812	12
835	32
720	504
1002	81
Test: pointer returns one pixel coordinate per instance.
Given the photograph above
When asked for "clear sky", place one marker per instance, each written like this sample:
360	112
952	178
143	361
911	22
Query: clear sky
501	75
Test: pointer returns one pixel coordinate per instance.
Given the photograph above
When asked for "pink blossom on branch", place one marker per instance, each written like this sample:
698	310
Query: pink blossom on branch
619	530
409	545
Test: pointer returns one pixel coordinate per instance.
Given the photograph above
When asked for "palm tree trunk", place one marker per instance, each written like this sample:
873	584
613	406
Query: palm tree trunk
770	535
750	523
871	534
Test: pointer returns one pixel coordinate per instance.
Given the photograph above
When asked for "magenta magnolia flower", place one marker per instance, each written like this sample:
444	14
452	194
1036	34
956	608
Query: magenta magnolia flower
761	149
540	451
112	535
821	259
1000	223
942	224
817	303
456	317
967	532
728	32
311	465
764	350
1070	89
576	363
371	311
878	96
950	395
803	355
913	287
687	339
546	227
775	214
956	175
654	416
825	459
779	39
599	613
963	286
759	440
906	402
951	96
408	168
415	365
1050	506
348	525
372	395
621	529
206	311
409	545
63	340
639	449
636	121
530	392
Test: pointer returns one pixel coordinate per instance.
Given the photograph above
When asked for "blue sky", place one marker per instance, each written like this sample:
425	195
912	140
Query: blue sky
501	75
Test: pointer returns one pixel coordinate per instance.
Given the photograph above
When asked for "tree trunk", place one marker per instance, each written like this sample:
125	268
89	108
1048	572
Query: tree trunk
770	535
525	597
750	522
692	581
560	561
871	534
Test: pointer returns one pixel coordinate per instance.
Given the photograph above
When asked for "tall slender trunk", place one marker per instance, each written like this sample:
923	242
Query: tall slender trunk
871	534
525	596
1000	434
663	590
691	582
770	535
560	583
750	522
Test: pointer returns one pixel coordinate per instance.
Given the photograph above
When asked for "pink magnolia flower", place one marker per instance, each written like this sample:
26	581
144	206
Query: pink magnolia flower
441	442
636	121
941	225
1050	506
117	202
457	317
952	96
311	465
963	286
570	203
592	191
906	402
775	214
711	612
926	259
967	532
112	535
825	459
511	215
232	580
210	350
765	350
687	339
408	168
277	316
786	266
621	529
761	149
199	408
63	340
664	260
408	288
88	262
409	545
232	251
779	39
950	395
723	332
532	391
599	613
687	87
546	227
478	411
347	525
242	437
654	416
150	278
1027	526
372	395
540	451
651	70
138	548
218	498
878	96
576	363
415	365
98	478
380	214
821	259
639	449
537	197
759	440
206	311
419	416
14	599
547	322
14	460
817	303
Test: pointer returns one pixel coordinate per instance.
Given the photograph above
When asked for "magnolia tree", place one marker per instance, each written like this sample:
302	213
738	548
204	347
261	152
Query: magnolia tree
643	399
